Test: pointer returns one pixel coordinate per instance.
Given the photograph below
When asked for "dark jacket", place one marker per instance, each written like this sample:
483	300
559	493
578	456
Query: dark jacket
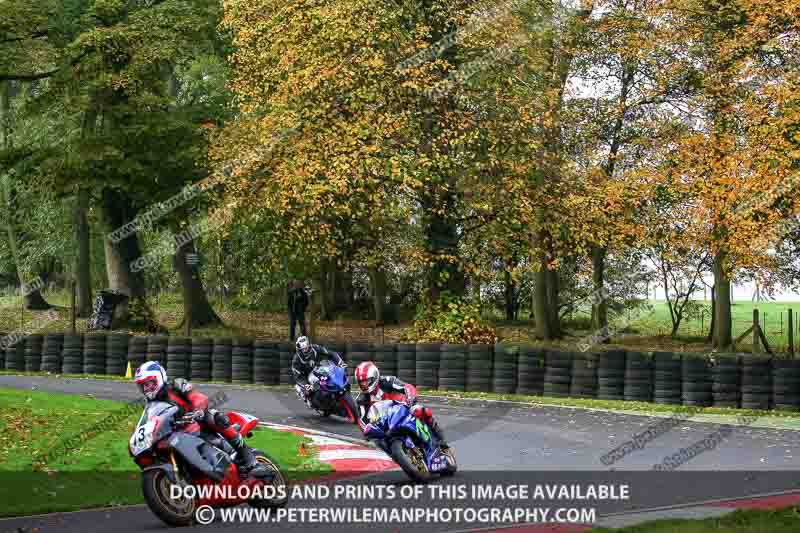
298	301
301	368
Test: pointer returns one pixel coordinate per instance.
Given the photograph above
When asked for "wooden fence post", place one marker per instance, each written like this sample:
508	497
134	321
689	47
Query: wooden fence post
791	334
756	327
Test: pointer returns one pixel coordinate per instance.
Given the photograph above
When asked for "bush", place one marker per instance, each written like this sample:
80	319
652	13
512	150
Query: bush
450	320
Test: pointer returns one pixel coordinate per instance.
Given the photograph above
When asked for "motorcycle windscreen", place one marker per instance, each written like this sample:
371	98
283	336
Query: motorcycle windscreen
330	377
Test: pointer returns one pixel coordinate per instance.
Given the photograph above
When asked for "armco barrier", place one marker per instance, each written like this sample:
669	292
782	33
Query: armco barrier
722	380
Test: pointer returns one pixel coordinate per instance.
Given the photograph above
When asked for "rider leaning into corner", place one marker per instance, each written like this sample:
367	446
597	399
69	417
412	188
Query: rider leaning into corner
375	388
151	378
306	358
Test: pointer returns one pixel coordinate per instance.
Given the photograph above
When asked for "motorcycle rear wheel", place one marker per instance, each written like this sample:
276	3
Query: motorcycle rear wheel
155	486
278	481
411	461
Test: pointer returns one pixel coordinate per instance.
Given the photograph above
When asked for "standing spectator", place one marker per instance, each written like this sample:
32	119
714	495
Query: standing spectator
298	301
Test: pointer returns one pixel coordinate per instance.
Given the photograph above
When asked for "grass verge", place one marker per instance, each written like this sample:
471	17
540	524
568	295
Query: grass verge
36	477
740	521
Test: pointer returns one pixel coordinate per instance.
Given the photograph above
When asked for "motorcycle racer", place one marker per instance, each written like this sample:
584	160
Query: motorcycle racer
375	388
306	358
152	381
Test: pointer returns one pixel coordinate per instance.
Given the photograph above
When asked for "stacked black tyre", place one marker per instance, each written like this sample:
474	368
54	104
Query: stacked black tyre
117	354
157	350
338	347
2	351
357	353
33	352
266	362
696	380
557	373
242	361
15	355
611	375
479	367
95	346
453	367
756	382
667	378
285	355
221	363
137	352
51	352
638	377
428	356
407	362
584	375
179	356
786	384
386	359
504	369
725	377
200	363
72	354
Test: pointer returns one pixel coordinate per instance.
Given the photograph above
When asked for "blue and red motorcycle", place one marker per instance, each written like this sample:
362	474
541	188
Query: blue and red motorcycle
330	391
408	441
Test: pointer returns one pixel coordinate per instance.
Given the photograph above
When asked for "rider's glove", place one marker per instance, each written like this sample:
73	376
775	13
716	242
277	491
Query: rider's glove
191	417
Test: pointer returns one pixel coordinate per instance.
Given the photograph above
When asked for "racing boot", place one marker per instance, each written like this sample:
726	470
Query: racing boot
437	430
246	460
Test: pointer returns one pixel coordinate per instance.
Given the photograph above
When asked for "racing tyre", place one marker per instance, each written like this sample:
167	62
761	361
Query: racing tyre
453	465
156	488
411	461
278	481
349	409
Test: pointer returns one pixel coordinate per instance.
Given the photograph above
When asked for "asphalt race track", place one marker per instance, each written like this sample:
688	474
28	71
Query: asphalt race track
493	443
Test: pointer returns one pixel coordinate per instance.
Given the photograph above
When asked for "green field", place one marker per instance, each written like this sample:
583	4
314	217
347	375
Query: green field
98	472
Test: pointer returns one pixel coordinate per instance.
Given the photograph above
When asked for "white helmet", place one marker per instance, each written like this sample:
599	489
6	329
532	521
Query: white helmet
150	378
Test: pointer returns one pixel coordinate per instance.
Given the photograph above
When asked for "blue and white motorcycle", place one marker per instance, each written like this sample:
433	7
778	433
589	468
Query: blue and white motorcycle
409	441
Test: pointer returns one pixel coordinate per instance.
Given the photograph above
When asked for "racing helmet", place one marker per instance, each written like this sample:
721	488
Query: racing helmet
368	375
304	348
151	379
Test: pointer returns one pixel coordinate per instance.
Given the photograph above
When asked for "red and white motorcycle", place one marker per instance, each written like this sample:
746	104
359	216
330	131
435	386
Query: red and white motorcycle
174	456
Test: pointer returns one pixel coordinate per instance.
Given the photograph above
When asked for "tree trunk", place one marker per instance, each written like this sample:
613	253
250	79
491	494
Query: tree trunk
540	302
553	303
722	321
325	303
83	297
196	307
31	291
509	295
710	337
600	309
118	210
378	278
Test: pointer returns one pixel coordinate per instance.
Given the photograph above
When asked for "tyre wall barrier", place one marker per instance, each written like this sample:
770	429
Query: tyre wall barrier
242	361
726	381
504	369
428	356
723	380
453	367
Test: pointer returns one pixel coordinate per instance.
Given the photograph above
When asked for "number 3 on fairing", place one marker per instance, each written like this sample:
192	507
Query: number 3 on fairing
422	429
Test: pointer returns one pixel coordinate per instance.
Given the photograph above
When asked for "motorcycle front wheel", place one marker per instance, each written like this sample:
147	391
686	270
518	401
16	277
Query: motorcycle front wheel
278	481
156	488
411	461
